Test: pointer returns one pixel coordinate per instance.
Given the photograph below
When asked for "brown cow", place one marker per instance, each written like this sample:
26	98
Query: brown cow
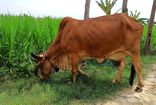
106	37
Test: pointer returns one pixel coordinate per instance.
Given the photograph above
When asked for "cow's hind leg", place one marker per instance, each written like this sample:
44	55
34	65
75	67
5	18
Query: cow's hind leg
80	71
137	65
120	70
83	73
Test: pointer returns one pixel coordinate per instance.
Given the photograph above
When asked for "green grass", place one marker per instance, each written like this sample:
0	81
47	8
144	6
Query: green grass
153	40
97	87
21	35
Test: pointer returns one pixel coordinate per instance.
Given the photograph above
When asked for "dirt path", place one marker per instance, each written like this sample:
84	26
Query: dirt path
129	97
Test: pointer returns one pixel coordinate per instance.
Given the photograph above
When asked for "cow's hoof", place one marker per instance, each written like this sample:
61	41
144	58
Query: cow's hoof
83	73
86	75
115	81
138	89
67	81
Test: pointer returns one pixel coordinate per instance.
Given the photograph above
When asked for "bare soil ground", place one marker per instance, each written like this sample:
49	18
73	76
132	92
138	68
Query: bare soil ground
129	97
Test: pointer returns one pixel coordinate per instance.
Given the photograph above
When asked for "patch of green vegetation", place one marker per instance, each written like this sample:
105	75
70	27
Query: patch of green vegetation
86	90
21	35
153	39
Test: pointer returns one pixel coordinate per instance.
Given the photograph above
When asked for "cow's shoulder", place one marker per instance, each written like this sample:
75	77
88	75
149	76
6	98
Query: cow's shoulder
66	21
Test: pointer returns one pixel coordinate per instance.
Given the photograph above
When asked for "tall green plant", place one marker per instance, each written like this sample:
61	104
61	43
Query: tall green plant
107	5
150	29
136	16
19	36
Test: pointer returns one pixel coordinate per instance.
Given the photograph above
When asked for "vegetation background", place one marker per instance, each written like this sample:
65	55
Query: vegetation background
23	34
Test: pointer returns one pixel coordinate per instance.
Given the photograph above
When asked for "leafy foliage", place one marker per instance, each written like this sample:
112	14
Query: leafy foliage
21	35
107	5
136	15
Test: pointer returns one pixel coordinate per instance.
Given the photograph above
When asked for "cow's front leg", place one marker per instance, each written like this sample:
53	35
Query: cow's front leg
120	70
74	63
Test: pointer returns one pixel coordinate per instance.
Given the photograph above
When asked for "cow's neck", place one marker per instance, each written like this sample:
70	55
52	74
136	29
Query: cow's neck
53	51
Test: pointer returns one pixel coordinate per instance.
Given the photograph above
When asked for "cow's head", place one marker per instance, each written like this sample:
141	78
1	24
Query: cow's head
44	66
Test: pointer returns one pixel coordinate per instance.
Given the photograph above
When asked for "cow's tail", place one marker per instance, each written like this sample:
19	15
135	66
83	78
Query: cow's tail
132	75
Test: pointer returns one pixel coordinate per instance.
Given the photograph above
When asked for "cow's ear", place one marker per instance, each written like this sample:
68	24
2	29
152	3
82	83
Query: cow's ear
35	57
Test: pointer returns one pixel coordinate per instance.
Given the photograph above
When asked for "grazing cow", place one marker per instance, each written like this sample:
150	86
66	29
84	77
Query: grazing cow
107	37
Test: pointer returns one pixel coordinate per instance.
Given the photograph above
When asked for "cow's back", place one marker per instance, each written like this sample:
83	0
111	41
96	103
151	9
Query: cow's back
103	35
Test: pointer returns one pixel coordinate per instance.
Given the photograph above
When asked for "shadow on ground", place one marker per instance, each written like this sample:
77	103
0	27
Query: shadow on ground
86	90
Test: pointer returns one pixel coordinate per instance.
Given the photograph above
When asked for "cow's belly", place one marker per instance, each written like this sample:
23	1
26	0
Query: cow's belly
116	55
